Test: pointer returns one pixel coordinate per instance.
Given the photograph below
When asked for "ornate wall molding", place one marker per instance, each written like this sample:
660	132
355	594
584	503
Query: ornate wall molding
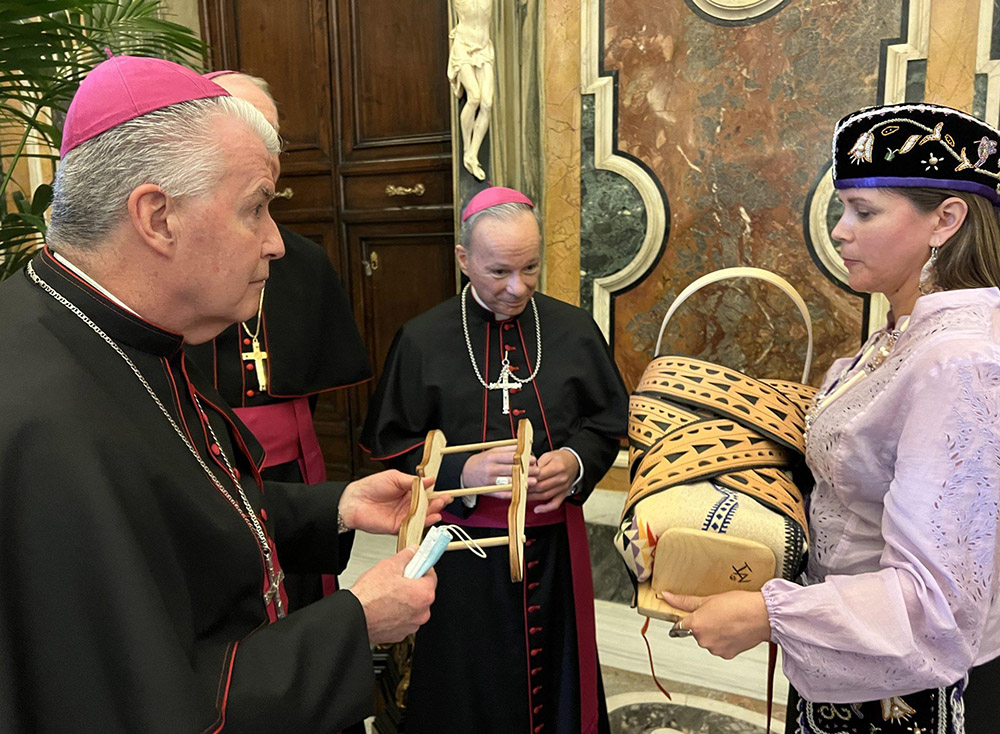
607	157
736	12
893	77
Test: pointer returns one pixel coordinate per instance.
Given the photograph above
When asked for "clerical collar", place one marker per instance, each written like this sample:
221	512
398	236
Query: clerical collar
93	283
497	316
121	323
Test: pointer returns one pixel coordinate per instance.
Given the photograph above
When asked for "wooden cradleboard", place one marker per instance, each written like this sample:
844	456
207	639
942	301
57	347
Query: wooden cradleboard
411	531
712	505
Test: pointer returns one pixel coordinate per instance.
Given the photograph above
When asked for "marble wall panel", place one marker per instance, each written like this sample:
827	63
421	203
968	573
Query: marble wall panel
561	135
735	121
612	214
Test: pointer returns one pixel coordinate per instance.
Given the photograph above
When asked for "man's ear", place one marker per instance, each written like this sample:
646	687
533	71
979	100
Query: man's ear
462	255
951	214
152	212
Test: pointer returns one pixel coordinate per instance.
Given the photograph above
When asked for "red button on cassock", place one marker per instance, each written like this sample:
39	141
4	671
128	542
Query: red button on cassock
250	393
215	449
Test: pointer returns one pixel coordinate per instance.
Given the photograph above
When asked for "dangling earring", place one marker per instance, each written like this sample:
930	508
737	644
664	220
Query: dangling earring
928	282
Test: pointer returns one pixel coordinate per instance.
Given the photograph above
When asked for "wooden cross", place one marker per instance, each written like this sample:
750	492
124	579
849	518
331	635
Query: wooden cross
258	356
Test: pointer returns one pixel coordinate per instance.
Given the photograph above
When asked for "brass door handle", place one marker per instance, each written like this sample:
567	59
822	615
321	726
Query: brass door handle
371	264
417	190
285	193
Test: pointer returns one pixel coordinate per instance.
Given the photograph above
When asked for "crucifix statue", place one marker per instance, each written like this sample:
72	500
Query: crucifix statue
470	67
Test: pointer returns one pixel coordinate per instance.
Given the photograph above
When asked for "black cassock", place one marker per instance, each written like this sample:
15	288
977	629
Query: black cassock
498	656
131	589
313	346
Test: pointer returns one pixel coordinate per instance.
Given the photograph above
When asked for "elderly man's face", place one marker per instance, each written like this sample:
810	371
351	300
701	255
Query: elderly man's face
227	238
503	262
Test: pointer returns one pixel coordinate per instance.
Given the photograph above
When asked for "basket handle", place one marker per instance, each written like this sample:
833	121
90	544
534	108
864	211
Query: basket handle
745	272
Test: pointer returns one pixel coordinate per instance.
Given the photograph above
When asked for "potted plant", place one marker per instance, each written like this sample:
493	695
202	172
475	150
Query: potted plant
46	49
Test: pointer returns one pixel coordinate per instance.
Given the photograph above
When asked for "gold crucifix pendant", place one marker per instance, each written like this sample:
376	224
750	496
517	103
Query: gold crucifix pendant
258	356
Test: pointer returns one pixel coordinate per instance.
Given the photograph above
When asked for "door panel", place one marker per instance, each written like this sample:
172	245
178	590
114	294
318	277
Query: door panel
400	272
393	73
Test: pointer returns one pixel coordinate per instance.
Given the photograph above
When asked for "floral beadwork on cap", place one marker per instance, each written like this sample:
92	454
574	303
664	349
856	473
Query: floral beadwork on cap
917	145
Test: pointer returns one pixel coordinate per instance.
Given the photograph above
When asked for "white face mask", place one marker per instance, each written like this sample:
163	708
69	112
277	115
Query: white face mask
433	546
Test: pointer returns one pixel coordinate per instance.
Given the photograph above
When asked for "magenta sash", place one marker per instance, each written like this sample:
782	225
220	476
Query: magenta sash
286	432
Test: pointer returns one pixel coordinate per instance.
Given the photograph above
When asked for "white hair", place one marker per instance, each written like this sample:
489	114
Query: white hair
175	148
504	212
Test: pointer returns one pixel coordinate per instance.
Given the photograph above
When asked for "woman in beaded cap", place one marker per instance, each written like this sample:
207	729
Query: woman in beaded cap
900	596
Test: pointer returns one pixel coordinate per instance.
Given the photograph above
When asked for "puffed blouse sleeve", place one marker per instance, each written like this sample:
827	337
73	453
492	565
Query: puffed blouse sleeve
918	622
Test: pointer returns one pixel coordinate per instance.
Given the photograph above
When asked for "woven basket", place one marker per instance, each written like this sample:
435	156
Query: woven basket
713	506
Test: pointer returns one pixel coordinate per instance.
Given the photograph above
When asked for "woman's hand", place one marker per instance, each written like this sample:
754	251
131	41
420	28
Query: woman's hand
724	624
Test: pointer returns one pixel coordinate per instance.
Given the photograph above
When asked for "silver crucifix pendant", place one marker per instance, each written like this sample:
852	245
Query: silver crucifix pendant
273	592
505	384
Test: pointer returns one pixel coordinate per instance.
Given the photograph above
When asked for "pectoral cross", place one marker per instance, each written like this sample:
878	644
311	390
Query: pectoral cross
274	590
258	356
506	384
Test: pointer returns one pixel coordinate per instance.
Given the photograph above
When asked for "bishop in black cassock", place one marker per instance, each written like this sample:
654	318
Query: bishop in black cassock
141	554
498	656
131	586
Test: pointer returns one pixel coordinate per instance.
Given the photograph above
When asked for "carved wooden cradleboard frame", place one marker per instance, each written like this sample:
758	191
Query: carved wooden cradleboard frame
411	531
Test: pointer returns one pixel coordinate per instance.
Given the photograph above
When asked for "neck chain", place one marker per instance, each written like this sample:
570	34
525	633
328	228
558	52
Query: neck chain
504	381
257	355
260	312
246	512
870	359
